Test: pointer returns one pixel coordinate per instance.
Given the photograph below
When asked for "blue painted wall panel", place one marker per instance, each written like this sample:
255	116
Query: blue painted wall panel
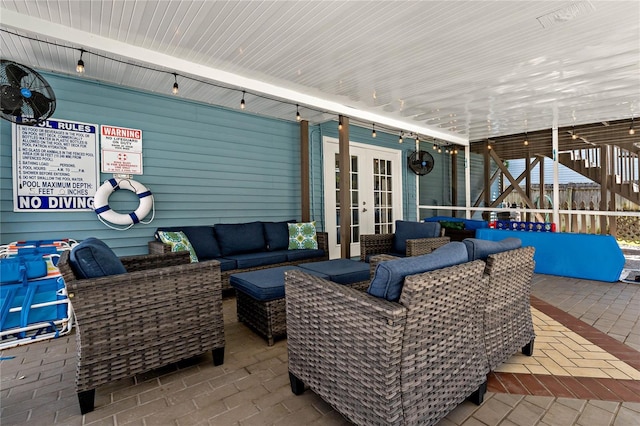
205	165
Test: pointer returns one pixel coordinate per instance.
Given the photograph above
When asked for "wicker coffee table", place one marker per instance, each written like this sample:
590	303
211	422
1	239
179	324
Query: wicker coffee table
260	297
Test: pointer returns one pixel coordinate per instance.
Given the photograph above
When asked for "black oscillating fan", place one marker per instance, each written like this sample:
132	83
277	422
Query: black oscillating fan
25	96
420	162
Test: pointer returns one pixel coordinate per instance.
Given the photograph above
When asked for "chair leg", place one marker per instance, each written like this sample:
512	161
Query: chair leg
86	400
218	356
297	385
528	348
477	397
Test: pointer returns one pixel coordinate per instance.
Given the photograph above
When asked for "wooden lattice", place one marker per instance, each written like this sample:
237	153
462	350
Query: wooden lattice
628	228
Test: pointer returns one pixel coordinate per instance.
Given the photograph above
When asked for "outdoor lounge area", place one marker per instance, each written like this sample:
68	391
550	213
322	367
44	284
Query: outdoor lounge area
585	370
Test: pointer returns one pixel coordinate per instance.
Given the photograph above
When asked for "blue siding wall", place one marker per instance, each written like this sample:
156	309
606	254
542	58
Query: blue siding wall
204	165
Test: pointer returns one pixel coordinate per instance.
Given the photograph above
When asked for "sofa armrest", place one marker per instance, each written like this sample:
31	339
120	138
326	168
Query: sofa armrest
158	247
323	242
371	244
419	246
154	261
374	260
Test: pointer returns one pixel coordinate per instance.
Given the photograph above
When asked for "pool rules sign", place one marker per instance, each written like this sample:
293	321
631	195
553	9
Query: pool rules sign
55	166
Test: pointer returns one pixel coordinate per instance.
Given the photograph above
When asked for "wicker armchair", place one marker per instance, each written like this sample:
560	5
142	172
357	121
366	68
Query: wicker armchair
508	325
372	244
163	310
384	363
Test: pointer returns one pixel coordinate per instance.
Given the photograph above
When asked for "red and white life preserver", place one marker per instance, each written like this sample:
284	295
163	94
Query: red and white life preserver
101	201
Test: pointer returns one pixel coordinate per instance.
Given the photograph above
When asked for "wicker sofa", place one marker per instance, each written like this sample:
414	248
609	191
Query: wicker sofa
380	362
244	247
161	310
409	239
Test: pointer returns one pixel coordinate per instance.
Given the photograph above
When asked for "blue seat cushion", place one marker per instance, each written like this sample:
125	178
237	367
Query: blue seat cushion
92	258
406	230
341	271
264	284
202	239
251	260
276	235
301	254
481	249
389	276
226	264
238	238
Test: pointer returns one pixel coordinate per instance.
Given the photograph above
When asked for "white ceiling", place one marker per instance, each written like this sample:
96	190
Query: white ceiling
454	70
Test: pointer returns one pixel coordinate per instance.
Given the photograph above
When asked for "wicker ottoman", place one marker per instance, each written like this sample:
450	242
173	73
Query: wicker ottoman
260	300
342	271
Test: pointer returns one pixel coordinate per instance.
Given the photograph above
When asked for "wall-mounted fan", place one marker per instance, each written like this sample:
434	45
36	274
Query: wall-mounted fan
25	97
421	162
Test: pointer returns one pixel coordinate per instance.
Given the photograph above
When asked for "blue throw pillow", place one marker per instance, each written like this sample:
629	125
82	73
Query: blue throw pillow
481	249
92	258
276	235
406	230
389	276
238	238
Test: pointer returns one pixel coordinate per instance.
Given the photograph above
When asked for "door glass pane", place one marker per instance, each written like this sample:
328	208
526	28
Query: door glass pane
383	196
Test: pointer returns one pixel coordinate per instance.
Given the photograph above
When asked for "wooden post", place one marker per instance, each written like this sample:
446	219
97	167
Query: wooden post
486	215
305	190
527	216
454	183
604	184
345	188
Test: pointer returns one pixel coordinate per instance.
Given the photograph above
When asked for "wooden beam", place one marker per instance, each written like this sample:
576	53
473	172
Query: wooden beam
494	176
487	183
604	184
345	188
511	187
454	182
515	185
305	190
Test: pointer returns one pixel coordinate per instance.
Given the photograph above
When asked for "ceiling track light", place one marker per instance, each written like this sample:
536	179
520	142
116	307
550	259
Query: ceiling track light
632	131
298	117
373	130
242	103
175	88
80	66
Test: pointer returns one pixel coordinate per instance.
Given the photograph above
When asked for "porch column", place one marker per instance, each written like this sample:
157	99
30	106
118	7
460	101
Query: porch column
305	191
556	186
345	188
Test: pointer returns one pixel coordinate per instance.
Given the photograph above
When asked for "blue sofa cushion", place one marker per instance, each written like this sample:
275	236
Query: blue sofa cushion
276	235
341	271
202	239
226	264
238	238
481	249
389	276
265	284
251	260
92	258
302	254
406	230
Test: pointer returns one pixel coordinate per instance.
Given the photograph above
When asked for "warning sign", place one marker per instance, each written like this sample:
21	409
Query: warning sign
121	150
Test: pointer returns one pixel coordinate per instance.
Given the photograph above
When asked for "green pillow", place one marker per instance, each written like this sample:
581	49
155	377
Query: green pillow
452	225
303	236
178	242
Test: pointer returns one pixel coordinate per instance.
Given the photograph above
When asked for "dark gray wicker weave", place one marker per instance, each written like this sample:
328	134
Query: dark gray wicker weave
508	326
384	363
156	247
371	244
269	318
165	309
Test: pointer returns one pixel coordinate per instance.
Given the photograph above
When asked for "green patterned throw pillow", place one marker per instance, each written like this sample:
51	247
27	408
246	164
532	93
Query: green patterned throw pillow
178	242
303	236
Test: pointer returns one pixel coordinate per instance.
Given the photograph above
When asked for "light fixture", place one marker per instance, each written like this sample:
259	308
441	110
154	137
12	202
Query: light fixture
175	84
400	137
574	136
242	104
373	130
435	146
439	150
526	140
632	131
80	66
455	150
417	139
446	149
488	144
340	123
298	118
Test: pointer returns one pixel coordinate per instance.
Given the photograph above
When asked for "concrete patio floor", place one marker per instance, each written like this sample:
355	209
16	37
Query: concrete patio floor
252	387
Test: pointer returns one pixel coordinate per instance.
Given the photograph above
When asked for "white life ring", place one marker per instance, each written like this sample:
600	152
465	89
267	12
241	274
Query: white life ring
101	201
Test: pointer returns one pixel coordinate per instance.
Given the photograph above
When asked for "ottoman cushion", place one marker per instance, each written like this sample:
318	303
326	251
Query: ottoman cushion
341	271
264	284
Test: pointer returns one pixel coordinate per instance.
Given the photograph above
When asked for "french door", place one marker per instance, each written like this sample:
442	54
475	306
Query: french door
376	192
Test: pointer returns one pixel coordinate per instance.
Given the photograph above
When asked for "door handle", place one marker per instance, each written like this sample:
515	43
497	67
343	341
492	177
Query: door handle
364	210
